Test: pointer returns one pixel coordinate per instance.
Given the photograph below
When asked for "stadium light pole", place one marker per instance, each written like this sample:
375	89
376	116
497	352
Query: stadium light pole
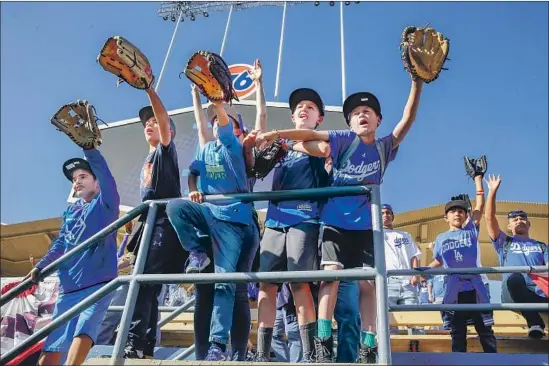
281	43
157	87
226	31
342	36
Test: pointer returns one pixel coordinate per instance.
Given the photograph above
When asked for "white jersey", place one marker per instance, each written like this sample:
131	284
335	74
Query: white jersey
400	248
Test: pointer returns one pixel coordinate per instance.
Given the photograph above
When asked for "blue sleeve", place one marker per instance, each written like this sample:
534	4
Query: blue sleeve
56	250
499	243
228	139
437	251
109	196
194	167
339	141
546	255
390	153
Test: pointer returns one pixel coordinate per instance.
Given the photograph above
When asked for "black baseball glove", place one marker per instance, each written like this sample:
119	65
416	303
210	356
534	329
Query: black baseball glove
267	158
474	167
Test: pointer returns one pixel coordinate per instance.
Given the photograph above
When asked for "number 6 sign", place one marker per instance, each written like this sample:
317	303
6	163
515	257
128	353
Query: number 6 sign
242	80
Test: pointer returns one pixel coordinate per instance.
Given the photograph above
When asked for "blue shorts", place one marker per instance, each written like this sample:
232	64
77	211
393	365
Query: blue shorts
87	322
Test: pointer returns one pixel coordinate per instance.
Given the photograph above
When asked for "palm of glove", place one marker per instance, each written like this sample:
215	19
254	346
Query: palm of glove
79	122
121	58
424	52
475	167
267	158
211	74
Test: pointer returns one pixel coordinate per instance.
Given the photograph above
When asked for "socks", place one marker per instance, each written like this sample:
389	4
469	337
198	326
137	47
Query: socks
368	338
307	333
324	328
264	339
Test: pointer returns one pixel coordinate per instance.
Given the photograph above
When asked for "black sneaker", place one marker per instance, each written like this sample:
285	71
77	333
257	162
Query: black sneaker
324	350
132	352
367	354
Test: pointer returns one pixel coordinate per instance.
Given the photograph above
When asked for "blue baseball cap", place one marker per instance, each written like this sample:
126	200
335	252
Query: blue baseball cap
387	207
146	113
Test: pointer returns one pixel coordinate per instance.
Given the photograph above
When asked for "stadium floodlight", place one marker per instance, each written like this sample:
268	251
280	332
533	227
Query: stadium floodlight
191	9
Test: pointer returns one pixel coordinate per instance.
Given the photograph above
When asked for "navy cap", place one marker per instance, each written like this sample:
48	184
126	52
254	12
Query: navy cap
517	213
74	164
387	207
146	113
358	99
456	204
301	94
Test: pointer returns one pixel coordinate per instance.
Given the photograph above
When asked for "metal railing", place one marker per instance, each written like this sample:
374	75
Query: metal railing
137	277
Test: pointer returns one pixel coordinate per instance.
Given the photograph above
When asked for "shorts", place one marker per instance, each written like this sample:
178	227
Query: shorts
294	248
401	292
347	248
87	322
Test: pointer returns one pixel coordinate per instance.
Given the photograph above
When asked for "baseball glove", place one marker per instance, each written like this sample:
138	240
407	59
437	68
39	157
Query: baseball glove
79	122
267	158
212	76
474	167
423	52
120	57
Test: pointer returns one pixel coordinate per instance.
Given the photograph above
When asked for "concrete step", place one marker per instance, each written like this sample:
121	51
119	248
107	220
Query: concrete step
398	358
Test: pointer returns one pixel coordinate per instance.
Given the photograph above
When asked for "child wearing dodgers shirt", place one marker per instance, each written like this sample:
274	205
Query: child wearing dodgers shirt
358	158
458	248
517	250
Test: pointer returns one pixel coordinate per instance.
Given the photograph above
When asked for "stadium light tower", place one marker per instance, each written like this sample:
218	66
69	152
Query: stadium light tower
177	11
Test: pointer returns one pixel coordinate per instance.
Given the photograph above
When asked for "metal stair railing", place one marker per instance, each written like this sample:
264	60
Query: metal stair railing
134	279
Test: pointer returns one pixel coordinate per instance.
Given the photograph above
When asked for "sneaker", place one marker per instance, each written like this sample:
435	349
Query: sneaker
216	354
260	357
197	262
367	354
308	358
131	352
324	350
536	332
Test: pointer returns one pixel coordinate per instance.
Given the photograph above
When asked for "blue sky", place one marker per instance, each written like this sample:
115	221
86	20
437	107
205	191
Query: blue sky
492	101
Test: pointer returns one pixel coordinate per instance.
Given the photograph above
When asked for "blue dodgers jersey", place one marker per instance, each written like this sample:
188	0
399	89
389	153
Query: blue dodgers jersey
82	220
297	171
521	252
458	248
363	167
221	169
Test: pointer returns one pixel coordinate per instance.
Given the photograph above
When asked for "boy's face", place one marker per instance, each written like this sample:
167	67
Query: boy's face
456	217
151	131
306	115
364	120
84	184
518	225
236	128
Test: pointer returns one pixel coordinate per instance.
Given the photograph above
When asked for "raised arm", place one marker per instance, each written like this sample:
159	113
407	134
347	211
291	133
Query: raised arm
319	149
296	135
476	215
261	105
109	196
409	114
492	225
204	133
162	117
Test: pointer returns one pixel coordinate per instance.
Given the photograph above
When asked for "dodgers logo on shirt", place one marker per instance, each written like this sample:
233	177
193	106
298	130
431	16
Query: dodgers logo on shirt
243	83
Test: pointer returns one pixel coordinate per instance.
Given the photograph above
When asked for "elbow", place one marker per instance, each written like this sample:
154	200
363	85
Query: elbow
325	149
